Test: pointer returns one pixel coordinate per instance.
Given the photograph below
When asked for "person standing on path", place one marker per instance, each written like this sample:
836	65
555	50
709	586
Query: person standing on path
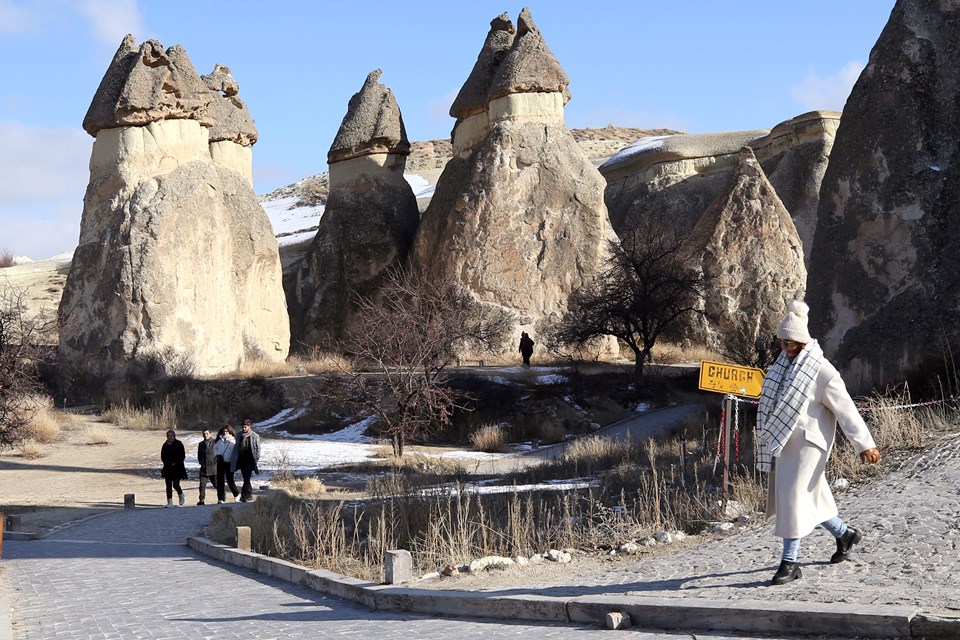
246	456
207	459
223	450
802	399
173	455
526	348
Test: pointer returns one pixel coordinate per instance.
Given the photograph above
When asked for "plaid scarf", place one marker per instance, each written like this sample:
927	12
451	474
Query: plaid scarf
785	390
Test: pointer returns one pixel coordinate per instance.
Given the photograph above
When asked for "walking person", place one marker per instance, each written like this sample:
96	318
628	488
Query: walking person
526	348
173	455
207	459
223	450
246	457
802	399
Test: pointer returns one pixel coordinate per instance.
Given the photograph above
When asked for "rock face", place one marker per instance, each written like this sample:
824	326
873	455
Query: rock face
681	175
884	286
176	255
518	216
233	133
752	253
368	225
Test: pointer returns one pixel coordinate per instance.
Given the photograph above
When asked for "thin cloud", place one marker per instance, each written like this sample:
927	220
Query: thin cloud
22	17
438	109
827	92
111	20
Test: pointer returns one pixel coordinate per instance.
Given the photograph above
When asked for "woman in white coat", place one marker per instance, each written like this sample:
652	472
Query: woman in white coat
802	400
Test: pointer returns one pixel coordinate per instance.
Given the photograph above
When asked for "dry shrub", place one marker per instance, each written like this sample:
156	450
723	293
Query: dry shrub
670	353
6	258
307	486
31	450
550	431
490	438
159	418
314	363
43	425
96	435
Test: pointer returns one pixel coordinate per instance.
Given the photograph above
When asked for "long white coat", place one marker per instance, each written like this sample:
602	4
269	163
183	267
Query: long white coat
798	492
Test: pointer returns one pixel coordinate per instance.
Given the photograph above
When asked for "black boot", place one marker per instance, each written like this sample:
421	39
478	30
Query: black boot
844	544
788	572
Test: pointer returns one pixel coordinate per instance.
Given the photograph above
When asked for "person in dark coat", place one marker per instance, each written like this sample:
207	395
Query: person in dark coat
173	455
526	348
208	464
223	451
246	458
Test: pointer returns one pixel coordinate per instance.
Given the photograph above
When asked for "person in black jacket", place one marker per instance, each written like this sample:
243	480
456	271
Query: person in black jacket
208	464
526	348
246	458
173	455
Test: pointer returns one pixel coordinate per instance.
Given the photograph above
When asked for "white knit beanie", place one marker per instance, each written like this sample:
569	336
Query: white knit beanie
794	325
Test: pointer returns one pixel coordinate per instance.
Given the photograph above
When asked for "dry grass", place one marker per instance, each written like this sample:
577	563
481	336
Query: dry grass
31	450
669	353
307	486
315	363
149	419
96	436
43	424
490	438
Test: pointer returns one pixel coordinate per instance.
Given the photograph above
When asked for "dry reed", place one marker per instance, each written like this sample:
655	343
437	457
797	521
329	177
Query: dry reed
490	438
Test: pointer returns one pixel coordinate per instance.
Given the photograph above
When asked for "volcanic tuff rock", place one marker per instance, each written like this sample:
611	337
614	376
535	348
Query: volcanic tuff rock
752	254
233	132
518	217
680	175
884	287
176	255
146	84
370	218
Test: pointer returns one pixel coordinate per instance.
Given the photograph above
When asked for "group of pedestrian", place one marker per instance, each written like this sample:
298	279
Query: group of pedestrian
219	458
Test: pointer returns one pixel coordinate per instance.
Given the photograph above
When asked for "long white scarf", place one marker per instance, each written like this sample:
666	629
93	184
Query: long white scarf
786	388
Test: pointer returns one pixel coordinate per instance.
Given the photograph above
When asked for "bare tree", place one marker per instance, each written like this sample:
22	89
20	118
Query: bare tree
408	334
6	258
25	341
648	284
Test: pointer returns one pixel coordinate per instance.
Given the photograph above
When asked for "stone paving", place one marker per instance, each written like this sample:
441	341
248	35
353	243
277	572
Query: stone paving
129	575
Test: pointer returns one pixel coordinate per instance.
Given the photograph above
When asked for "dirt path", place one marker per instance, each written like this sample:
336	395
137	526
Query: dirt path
75	479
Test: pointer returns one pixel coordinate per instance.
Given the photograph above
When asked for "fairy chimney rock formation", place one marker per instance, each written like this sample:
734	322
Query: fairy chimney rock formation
518	217
470	105
752	253
369	221
679	176
233	132
176	259
884	288
371	135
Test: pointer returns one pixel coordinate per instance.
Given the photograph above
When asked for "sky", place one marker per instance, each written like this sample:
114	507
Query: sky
692	65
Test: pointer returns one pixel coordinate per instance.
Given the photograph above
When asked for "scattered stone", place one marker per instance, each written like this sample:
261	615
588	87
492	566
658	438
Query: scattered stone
536	559
743	519
595	426
647	542
433	575
722	526
628	547
617	620
663	537
450	571
554	555
522	561
840	484
732	511
490	562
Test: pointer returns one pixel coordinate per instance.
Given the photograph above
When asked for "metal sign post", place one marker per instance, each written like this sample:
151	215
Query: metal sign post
727	412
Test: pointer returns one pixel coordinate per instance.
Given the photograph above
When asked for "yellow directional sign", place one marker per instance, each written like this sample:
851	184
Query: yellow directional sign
731	378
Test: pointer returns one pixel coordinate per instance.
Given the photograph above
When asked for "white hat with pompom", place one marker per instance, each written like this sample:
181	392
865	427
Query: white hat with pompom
794	325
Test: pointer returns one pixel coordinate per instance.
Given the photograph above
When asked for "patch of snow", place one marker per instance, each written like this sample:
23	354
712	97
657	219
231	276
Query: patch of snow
288	219
420	185
642	407
650	143
551	379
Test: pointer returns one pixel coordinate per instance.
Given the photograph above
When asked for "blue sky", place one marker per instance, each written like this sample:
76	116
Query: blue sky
693	65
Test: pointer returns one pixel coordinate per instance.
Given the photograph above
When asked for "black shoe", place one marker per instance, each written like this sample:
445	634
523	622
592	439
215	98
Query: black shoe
788	572
200	502
844	544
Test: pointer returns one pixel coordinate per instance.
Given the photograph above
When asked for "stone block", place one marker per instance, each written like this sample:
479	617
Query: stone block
129	501
397	566
243	538
617	620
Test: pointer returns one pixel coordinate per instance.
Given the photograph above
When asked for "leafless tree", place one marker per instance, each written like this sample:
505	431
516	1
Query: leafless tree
6	258
651	280
25	341
407	335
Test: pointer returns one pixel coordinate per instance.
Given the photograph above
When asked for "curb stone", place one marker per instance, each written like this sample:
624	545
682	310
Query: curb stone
797	618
